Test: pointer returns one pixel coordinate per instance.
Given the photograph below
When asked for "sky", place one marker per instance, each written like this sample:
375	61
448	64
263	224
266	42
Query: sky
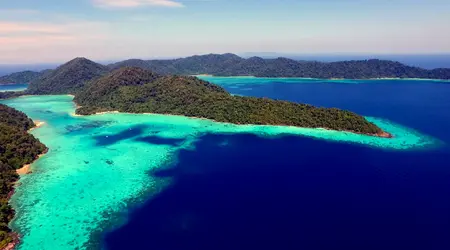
47	31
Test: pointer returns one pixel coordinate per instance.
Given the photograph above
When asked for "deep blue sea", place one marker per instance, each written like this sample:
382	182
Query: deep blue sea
13	87
248	192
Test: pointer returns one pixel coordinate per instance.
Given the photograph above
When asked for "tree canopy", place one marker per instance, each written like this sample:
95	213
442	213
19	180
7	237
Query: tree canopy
19	77
17	148
67	78
142	91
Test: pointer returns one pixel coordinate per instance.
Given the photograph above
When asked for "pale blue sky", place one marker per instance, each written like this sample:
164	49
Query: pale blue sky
57	30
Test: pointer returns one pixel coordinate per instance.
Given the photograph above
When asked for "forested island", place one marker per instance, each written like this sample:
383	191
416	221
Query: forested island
233	65
137	90
67	78
17	148
20	77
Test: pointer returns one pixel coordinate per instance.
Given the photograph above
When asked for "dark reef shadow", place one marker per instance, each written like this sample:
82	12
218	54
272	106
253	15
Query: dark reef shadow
110	139
292	193
82	127
155	140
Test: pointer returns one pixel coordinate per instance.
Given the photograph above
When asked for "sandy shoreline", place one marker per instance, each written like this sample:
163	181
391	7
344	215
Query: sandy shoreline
38	125
26	169
382	134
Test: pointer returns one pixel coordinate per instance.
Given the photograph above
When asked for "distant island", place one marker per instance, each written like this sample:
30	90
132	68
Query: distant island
233	65
137	90
19	77
17	148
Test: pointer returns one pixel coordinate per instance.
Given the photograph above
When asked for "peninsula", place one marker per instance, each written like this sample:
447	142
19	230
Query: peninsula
135	90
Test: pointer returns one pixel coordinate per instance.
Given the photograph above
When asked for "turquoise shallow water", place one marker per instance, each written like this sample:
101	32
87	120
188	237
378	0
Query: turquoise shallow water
98	165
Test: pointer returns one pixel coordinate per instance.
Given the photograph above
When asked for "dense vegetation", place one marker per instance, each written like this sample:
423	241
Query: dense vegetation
105	87
20	77
189	96
233	65
67	78
17	148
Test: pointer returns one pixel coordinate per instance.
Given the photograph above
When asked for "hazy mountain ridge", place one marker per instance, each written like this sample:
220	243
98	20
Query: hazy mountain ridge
233	65
20	77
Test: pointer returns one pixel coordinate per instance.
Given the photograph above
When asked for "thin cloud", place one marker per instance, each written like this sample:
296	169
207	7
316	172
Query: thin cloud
24	41
18	12
16	35
12	27
136	3
56	40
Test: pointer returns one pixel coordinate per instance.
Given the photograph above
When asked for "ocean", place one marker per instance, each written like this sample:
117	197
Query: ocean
13	87
123	181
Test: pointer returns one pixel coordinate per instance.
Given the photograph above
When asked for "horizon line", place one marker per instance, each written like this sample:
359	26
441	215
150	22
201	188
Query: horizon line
241	54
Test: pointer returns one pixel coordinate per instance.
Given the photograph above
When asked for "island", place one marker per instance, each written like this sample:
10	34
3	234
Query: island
136	90
233	65
17	148
20	77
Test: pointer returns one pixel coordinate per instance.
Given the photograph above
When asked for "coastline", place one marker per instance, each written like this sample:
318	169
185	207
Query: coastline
37	124
13	243
26	169
382	134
